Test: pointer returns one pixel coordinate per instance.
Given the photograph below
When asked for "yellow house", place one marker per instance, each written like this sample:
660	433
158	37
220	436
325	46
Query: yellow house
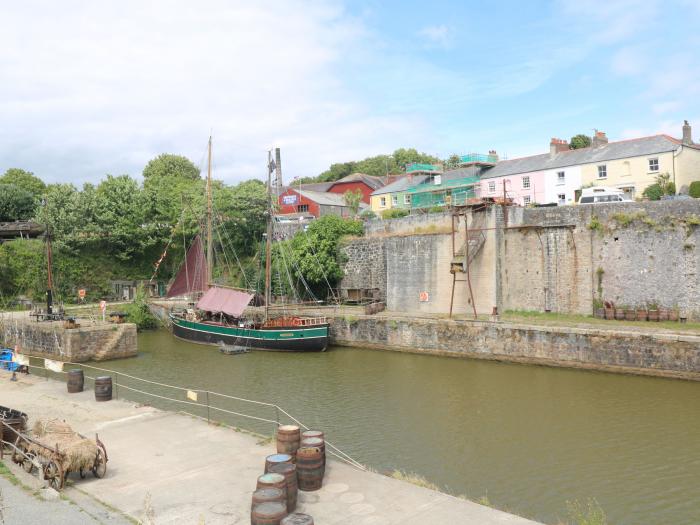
633	165
394	195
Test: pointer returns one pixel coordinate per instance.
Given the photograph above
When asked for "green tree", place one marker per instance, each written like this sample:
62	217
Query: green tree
452	162
15	203
173	187
352	200
61	211
316	251
242	214
25	180
580	141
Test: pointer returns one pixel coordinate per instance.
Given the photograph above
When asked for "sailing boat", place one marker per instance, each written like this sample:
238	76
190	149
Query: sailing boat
220	313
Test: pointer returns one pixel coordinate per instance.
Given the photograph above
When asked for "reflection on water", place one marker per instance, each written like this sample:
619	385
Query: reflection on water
529	437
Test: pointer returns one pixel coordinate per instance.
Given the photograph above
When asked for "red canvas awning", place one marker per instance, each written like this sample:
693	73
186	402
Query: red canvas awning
225	300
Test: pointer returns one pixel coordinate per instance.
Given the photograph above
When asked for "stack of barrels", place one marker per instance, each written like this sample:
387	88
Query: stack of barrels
299	464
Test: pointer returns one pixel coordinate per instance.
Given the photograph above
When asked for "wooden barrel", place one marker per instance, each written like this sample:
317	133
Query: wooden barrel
273	481
309	468
289	472
103	388
269	513
312	434
316	442
288	439
76	381
268	494
297	519
275	459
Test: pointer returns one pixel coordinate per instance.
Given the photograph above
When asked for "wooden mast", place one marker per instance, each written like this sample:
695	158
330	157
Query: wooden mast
49	272
268	237
210	246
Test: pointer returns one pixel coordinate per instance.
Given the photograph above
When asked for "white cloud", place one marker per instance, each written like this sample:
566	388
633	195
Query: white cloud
628	61
437	36
102	87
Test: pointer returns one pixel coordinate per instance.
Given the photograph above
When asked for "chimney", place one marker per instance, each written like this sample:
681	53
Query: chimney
687	134
278	170
599	139
557	146
492	153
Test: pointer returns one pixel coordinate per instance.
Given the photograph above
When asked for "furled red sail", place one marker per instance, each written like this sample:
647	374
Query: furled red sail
192	276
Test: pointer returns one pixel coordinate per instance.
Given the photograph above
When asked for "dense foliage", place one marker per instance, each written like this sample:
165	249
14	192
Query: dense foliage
580	141
694	189
15	203
118	228
394	213
377	166
663	186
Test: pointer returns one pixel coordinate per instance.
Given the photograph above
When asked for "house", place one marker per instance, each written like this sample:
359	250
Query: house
630	165
452	188
394	195
294	201
356	181
20	230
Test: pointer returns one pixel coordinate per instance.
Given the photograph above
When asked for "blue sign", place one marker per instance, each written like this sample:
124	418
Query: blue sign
289	199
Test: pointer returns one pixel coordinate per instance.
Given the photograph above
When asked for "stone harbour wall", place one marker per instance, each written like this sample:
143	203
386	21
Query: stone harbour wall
50	340
665	355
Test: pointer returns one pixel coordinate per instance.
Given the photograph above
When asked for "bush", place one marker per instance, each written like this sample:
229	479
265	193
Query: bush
694	190
436	209
653	192
139	313
394	213
368	215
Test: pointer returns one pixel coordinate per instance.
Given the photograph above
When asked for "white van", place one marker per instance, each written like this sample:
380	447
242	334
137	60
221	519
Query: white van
598	194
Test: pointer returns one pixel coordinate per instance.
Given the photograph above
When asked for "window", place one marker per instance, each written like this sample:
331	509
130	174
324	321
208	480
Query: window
654	164
602	171
526	183
585	200
526	200
492	187
561	199
302	208
407	198
395	200
382	202
438	179
561	177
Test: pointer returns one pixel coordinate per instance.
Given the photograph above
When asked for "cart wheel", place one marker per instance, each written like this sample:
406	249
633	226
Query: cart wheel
53	473
27	463
99	469
82	473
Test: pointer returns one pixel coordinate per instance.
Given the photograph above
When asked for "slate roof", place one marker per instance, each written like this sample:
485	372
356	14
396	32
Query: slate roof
326	199
312	186
401	184
613	150
371	181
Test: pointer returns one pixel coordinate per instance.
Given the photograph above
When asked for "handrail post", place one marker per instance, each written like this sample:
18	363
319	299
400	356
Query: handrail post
208	420
116	385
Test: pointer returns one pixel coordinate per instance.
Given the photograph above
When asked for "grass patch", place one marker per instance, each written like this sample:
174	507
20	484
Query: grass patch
414	479
595	224
589	513
569	320
9	476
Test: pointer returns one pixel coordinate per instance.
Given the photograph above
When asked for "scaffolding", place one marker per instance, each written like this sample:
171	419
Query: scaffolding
455	192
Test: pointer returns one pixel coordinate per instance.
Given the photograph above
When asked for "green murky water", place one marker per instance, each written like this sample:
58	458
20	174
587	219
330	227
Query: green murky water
529	437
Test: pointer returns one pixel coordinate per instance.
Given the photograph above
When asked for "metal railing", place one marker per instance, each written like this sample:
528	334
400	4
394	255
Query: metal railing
197	400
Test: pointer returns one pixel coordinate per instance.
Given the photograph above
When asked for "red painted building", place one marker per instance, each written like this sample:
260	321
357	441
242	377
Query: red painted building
357	181
316	203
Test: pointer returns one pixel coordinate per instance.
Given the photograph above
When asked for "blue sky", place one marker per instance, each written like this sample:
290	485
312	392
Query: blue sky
96	88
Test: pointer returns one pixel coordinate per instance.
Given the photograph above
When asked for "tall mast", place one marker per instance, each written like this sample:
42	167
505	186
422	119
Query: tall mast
268	237
49	272
210	247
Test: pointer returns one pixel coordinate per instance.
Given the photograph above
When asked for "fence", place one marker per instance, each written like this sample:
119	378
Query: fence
214	407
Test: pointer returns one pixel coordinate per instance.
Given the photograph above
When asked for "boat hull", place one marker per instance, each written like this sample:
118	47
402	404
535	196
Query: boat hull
303	339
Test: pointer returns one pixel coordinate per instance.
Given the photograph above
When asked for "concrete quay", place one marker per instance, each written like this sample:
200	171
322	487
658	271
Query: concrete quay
194	472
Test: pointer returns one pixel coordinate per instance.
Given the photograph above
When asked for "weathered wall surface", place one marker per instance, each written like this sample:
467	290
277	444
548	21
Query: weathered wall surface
409	224
366	265
615	351
559	259
90	343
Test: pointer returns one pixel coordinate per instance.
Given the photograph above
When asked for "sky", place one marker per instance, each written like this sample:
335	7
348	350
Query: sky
95	88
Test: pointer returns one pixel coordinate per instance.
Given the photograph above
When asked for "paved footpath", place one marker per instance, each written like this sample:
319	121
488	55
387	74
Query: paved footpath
193	472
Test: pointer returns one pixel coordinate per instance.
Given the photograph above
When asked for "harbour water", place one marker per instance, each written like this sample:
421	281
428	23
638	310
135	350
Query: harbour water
529	438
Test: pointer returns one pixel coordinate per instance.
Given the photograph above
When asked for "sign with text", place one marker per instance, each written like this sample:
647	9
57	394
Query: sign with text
289	199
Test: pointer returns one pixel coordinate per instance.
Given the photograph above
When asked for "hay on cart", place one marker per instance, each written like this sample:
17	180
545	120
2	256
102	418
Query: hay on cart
78	452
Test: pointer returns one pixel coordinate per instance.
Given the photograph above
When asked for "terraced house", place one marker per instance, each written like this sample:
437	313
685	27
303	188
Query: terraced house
630	165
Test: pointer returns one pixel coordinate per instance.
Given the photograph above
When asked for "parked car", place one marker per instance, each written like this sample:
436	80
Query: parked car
597	195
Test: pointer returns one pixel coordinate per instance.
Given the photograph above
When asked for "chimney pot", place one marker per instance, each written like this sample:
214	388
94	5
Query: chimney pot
687	134
599	139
